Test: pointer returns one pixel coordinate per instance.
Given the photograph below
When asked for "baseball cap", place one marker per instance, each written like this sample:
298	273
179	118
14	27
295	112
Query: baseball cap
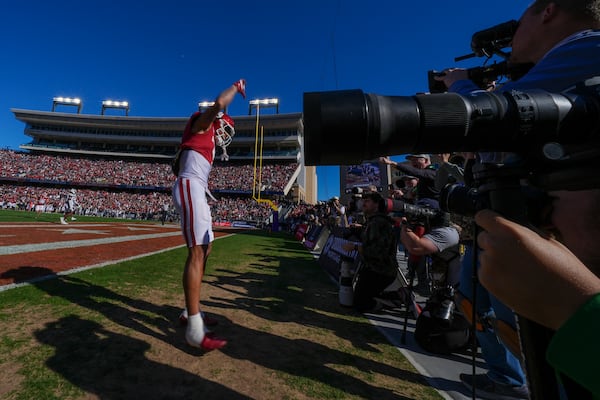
408	177
426	156
429	203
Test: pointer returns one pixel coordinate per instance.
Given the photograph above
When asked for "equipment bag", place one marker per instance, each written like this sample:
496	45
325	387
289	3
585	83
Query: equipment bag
441	328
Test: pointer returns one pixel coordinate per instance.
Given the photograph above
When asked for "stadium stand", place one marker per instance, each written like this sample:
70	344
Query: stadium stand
130	189
121	166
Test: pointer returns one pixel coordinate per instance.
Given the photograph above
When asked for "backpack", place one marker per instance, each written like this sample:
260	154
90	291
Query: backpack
441	328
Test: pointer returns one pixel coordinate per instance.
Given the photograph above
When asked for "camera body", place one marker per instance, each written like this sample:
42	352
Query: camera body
487	43
416	214
357	192
483	76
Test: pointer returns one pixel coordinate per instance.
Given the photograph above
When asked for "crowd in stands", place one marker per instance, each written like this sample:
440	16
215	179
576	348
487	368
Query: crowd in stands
229	176
224	176
100	203
239	209
22	173
145	206
83	170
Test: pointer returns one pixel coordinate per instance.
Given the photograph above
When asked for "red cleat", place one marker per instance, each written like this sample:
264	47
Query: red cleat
211	342
241	87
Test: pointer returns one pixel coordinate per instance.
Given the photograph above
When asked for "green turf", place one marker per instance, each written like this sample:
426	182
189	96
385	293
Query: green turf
90	328
31	216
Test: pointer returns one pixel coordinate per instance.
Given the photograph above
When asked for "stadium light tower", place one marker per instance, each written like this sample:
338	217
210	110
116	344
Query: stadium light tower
203	105
67	101
123	105
263	103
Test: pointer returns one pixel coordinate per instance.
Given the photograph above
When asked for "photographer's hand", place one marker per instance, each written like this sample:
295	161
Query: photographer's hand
536	276
397	194
386	161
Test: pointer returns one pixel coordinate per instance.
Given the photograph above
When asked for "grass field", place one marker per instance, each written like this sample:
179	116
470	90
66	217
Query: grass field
29	216
112	332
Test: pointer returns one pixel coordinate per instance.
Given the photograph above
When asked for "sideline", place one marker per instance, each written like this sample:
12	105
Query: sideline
4	250
69	244
440	371
80	269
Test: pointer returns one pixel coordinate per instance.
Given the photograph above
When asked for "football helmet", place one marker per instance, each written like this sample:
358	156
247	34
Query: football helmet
224	130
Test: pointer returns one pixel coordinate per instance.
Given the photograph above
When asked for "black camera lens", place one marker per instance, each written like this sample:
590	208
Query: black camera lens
459	199
400	184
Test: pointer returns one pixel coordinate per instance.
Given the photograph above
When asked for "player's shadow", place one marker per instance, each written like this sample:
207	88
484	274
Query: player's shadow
314	361
288	289
28	273
115	366
157	321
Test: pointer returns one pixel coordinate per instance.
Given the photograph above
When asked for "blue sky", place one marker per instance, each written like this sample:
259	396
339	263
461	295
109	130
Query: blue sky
165	56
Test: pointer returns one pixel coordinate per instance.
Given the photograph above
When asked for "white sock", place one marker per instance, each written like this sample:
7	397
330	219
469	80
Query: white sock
194	333
184	314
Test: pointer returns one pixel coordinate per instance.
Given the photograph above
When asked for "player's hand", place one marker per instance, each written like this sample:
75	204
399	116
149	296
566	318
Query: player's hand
241	87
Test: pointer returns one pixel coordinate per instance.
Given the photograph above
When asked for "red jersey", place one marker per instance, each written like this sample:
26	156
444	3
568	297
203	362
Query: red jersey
203	143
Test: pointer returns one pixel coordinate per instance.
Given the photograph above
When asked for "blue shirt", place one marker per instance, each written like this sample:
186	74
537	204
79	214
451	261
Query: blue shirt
573	60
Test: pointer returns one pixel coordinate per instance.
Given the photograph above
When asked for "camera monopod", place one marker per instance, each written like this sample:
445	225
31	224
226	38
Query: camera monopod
418	230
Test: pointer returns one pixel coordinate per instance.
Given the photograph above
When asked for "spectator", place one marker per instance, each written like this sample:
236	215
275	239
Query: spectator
378	266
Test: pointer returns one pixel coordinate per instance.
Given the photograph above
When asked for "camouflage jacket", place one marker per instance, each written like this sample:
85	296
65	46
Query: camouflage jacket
379	245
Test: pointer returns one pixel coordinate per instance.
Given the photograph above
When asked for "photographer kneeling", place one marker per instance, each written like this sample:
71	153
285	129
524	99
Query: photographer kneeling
440	241
378	266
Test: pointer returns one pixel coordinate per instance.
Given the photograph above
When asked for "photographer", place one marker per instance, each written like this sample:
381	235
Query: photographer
406	189
420	167
378	267
558	37
549	34
440	241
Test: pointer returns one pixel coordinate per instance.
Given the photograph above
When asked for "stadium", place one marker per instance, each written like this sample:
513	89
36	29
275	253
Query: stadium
107	156
120	167
300	298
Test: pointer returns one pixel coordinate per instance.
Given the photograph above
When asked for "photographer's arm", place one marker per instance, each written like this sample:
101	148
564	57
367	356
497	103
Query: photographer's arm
543	281
421	173
519	267
415	245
